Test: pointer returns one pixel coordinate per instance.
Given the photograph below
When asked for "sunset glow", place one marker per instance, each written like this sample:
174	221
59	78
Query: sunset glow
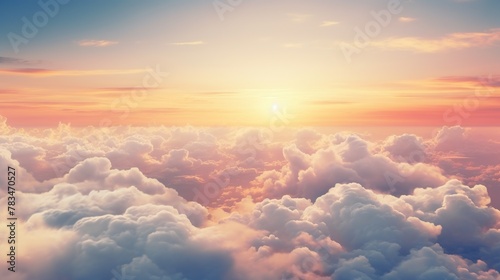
217	68
249	140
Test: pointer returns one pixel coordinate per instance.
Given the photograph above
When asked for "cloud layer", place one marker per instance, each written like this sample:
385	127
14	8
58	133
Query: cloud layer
214	203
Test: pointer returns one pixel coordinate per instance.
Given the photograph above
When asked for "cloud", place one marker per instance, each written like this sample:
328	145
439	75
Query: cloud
96	43
296	17
443	267
351	232
41	72
453	41
328	23
348	158
293	45
190	43
472	81
304	205
12	60
407	19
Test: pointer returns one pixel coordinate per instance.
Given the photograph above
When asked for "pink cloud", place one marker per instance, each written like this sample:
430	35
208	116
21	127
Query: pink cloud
310	205
453	41
96	43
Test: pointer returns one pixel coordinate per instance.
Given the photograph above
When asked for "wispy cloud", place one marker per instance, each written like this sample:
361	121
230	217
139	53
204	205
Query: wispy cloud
26	71
490	81
328	23
407	19
454	41
13	60
50	72
8	92
298	17
190	43
96	43
293	45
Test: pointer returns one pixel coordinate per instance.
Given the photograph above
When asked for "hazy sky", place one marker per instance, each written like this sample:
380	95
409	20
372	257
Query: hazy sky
328	62
250	139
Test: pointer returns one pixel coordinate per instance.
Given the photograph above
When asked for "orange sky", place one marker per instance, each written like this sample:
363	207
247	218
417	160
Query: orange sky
327	64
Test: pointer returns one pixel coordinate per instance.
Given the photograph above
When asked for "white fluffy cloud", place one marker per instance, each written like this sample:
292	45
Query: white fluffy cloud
308	206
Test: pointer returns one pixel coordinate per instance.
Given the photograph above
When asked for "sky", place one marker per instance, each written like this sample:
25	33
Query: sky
375	63
250	139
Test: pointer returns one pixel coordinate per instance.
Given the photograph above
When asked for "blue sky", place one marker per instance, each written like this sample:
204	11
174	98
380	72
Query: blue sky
294	53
